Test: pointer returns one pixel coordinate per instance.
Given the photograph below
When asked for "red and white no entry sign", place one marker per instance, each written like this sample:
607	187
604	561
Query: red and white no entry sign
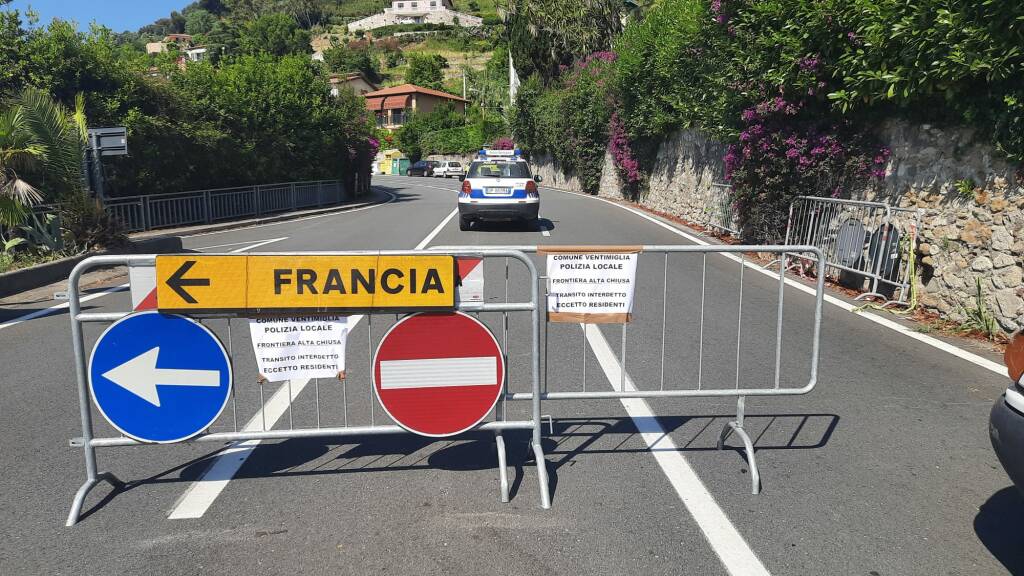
438	374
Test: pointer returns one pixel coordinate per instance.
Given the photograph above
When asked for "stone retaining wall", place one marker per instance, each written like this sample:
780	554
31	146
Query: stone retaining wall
972	202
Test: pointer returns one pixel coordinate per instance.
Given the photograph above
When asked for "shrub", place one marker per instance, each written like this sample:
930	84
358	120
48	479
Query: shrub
785	151
569	121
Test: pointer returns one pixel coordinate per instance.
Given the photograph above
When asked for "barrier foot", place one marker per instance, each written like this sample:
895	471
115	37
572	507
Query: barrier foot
76	505
542	475
502	466
867	295
748	447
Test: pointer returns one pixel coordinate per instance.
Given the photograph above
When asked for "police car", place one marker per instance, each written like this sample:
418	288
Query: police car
499	187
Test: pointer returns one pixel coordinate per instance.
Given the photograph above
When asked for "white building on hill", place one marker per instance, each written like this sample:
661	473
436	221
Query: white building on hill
416	12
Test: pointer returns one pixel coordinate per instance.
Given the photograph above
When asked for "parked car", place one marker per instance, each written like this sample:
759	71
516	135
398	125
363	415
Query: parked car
499	187
422	168
1006	422
449	168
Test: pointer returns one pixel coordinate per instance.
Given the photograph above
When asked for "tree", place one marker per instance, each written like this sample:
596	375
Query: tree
199	21
17	154
547	33
352	59
276	34
13	51
426	70
41	142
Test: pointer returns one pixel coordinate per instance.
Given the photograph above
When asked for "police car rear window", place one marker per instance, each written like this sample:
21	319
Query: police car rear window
488	169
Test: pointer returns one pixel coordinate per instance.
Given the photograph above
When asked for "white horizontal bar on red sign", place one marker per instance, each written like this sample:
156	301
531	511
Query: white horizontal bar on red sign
439	372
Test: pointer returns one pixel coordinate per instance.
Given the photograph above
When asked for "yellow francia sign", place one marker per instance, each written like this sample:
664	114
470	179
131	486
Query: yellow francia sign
268	283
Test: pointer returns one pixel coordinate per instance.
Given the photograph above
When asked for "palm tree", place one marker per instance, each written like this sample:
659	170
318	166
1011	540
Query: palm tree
41	142
17	155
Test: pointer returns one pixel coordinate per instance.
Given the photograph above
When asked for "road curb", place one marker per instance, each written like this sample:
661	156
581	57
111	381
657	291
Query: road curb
192	230
44	274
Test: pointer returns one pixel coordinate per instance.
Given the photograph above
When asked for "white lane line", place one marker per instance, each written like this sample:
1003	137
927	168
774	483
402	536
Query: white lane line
202	493
723	537
258	244
246	242
433	233
118	288
391	198
59	307
886	322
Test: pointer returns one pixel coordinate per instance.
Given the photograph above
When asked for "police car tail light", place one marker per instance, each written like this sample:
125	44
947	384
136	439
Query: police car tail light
467	188
531	189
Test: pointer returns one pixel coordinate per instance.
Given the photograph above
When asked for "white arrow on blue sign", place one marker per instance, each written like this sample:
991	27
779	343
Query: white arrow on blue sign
159	377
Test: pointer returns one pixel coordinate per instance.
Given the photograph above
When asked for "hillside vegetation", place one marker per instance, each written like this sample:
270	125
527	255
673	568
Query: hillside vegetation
796	87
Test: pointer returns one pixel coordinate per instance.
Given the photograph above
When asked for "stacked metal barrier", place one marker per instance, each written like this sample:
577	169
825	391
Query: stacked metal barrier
864	243
707	323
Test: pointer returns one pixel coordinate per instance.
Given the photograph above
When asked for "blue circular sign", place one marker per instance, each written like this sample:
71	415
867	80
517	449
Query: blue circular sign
159	377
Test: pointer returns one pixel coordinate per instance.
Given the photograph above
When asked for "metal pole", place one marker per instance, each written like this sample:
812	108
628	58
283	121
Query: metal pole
92	477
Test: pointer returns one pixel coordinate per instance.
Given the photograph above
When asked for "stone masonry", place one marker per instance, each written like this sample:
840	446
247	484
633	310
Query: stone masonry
973	208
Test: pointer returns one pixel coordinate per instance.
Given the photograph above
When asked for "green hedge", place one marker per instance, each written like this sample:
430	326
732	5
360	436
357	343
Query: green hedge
797	87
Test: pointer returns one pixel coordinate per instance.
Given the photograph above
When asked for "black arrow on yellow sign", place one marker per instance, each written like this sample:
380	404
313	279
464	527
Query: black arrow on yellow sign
178	282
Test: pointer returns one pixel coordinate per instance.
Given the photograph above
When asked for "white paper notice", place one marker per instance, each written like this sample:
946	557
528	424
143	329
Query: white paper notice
304	347
591	287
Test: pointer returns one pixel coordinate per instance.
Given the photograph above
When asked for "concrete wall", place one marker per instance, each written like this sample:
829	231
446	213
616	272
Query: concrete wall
963	237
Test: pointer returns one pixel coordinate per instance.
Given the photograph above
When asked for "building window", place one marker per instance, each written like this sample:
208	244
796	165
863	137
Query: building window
397	117
433	3
380	120
414	4
400	5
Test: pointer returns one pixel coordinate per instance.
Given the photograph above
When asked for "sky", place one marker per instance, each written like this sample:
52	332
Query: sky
118	15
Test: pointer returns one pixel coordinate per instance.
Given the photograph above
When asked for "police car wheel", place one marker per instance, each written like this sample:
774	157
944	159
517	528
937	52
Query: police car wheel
464	223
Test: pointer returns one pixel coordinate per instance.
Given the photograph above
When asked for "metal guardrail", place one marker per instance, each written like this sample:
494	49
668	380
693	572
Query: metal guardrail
861	241
140	213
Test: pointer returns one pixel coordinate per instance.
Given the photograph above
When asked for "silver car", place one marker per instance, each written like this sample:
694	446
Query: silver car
449	168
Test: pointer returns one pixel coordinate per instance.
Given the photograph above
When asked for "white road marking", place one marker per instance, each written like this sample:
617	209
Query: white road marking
433	233
257	245
59	307
391	199
723	537
247	242
202	493
886	322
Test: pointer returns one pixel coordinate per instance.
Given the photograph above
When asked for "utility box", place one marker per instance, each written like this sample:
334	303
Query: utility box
385	161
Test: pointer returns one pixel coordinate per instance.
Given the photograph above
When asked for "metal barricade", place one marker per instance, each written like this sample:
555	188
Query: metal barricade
718	209
715	356
344	402
862	242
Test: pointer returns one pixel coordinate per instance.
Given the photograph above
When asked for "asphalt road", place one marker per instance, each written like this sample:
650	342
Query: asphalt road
884	469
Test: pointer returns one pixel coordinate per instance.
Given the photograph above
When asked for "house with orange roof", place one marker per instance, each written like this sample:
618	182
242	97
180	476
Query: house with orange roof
393	106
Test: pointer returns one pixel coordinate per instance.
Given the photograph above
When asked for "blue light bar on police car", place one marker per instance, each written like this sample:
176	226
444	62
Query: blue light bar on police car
501	153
